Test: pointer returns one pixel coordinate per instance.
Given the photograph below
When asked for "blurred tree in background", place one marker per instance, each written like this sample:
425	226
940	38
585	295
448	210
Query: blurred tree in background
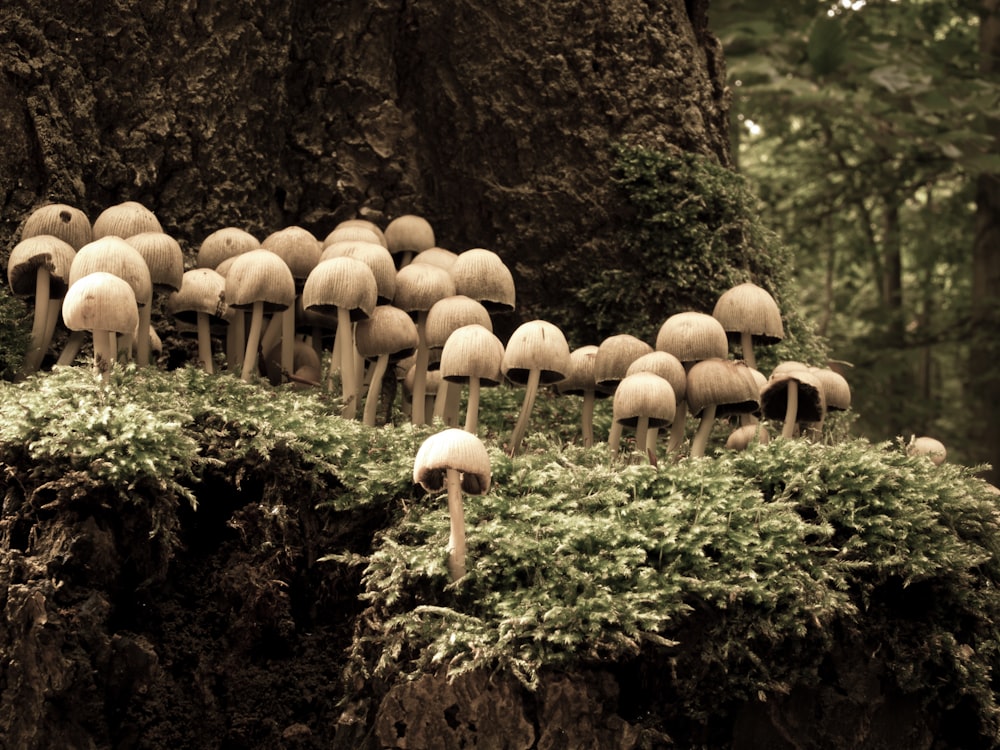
866	129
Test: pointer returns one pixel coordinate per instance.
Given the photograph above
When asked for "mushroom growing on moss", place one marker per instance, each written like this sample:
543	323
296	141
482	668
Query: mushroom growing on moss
201	302
750	316
388	335
793	394
644	401
456	460
472	355
718	387
582	382
105	305
927	446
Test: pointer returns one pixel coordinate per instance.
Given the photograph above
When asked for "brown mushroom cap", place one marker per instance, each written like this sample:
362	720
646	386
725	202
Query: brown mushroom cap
664	364
341	282
202	290
100	301
353	233
927	446
749	308
40	251
836	389
644	394
453	449
260	276
726	383
536	345
436	256
114	255
409	233
365	224
225	243
298	247
163	256
746	435
376	257
811	401
581	378
389	331
420	285
124	220
614	355
693	336
472	351
482	275
451	313
68	223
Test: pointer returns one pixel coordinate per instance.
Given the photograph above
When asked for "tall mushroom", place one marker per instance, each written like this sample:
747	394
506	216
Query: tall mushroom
408	235
104	304
668	367
446	316
750	316
458	461
165	260
388	335
718	387
472	355
536	354
201	302
483	276
581	382
614	355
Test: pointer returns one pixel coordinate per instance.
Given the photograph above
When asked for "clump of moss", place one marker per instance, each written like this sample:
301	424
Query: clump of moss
15	333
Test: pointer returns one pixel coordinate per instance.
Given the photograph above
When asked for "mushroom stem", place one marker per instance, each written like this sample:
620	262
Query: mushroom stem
375	389
348	368
418	415
530	391
746	347
615	437
587	418
456	538
103	353
71	348
791	409
235	340
142	344
472	407
37	345
253	341
700	439
288	339
641	433
677	427
51	319
204	343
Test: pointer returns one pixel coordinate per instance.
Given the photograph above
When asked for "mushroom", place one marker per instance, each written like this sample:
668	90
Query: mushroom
418	287
456	460
668	367
446	316
68	223
38	267
105	305
201	302
614	355
794	395
365	224
718	387
581	382
927	446
746	435
471	355
482	275
750	316
124	220
437	256
354	232
259	281
836	393
408	235
224	243
165	260
388	335
536	353
376	257
644	401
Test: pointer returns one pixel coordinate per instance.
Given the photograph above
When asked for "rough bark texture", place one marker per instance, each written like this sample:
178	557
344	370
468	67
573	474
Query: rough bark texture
495	120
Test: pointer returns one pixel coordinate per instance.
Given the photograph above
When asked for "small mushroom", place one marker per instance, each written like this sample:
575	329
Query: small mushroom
927	446
408	235
471	355
614	355
582	382
105	305
644	401
388	335
456	460
201	302
718	387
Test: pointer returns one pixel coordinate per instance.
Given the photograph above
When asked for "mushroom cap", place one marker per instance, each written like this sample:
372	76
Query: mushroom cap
376	257
436	256
580	379
927	446
341	282
836	389
202	290
746	435
614	355
305	362
68	223
371	226
114	255
811	401
224	243
163	256
420	285
749	308
388	330
453	449
40	251
693	336
260	276
644	394
100	301
451	313
482	275
536	345
298	247
353	233
664	364
472	351
124	220
409	233
726	383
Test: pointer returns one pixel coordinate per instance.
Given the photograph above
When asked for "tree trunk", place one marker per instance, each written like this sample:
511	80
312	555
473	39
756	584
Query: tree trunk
984	379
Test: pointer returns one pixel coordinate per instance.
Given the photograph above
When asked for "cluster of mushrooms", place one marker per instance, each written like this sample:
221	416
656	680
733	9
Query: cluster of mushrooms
379	298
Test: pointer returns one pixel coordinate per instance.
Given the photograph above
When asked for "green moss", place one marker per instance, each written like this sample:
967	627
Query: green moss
15	333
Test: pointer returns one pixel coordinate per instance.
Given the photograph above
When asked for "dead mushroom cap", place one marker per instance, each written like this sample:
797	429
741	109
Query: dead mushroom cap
37	251
472	351
644	394
536	345
749	308
693	336
341	282
68	223
453	449
726	383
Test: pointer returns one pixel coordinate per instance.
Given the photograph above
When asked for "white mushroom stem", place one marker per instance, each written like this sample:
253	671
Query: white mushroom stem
521	427
472	407
104	352
204	342
641	433
288	339
746	347
71	348
142	344
587	418
253	341
348	367
456	539
375	389
615	437
38	344
791	409
677	427
418	415
51	319
700	440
